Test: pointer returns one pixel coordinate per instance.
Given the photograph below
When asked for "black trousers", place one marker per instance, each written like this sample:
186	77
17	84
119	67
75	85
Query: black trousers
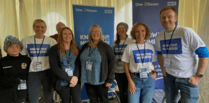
123	86
20	101
97	93
70	93
11	96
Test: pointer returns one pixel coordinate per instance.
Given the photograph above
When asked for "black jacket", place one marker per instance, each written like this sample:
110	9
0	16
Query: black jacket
55	66
108	61
12	69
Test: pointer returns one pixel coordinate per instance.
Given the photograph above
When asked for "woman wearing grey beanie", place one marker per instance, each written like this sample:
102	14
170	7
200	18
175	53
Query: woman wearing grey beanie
119	45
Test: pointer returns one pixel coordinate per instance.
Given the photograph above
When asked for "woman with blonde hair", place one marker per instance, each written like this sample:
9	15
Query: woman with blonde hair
37	48
97	66
63	64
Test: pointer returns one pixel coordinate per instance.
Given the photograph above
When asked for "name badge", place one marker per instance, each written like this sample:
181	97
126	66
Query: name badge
143	72
69	72
89	65
22	85
37	66
167	63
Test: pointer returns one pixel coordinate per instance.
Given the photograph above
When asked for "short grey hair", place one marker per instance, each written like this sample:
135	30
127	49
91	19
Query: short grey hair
101	36
39	20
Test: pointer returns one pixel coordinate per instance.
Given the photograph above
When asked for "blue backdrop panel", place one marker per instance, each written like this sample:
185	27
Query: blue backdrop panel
148	12
86	16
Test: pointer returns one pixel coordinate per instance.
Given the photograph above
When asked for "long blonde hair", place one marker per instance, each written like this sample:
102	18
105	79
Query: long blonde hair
73	45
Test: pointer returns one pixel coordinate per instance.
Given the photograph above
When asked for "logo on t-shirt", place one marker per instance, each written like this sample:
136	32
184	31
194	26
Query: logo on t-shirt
175	46
139	58
119	49
33	52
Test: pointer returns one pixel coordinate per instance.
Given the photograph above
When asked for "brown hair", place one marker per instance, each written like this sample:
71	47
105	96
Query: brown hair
73	45
117	41
146	28
168	8
39	20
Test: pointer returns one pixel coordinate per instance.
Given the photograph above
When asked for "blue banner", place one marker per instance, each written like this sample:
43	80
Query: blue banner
148	12
86	16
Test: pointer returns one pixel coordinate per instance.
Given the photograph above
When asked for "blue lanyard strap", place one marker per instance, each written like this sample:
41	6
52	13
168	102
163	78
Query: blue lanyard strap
142	59
120	51
40	46
91	51
167	47
68	58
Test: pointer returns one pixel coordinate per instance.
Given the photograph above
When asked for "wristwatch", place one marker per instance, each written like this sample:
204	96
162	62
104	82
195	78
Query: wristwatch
199	75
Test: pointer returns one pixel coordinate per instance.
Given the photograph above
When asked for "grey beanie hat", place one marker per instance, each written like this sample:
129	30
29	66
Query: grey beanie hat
124	24
9	40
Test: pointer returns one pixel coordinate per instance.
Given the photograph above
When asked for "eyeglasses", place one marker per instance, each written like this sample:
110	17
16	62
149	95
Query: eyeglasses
94	31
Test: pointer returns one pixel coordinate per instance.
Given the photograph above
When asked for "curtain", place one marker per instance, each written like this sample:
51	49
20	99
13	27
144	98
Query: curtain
8	21
191	13
54	11
195	14
204	34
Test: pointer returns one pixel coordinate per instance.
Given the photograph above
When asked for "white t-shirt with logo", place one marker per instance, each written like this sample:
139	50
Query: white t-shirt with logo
132	56
43	55
118	51
183	60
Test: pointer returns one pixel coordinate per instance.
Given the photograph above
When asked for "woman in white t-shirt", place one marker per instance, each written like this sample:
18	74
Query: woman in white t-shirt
37	48
139	59
118	46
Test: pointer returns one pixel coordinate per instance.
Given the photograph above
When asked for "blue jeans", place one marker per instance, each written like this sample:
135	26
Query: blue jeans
35	81
189	93
145	88
122	85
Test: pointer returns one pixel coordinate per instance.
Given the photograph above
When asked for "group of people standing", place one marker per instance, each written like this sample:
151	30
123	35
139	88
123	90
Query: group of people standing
61	65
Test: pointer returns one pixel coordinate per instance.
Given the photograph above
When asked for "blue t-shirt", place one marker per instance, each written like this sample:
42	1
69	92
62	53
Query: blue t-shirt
64	64
91	76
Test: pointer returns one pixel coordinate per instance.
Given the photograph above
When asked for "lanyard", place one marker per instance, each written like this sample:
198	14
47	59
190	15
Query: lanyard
167	47
120	51
91	52
141	54
68	58
40	46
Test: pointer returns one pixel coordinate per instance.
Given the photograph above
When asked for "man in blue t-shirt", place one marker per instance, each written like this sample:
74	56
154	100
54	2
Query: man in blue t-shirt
182	56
